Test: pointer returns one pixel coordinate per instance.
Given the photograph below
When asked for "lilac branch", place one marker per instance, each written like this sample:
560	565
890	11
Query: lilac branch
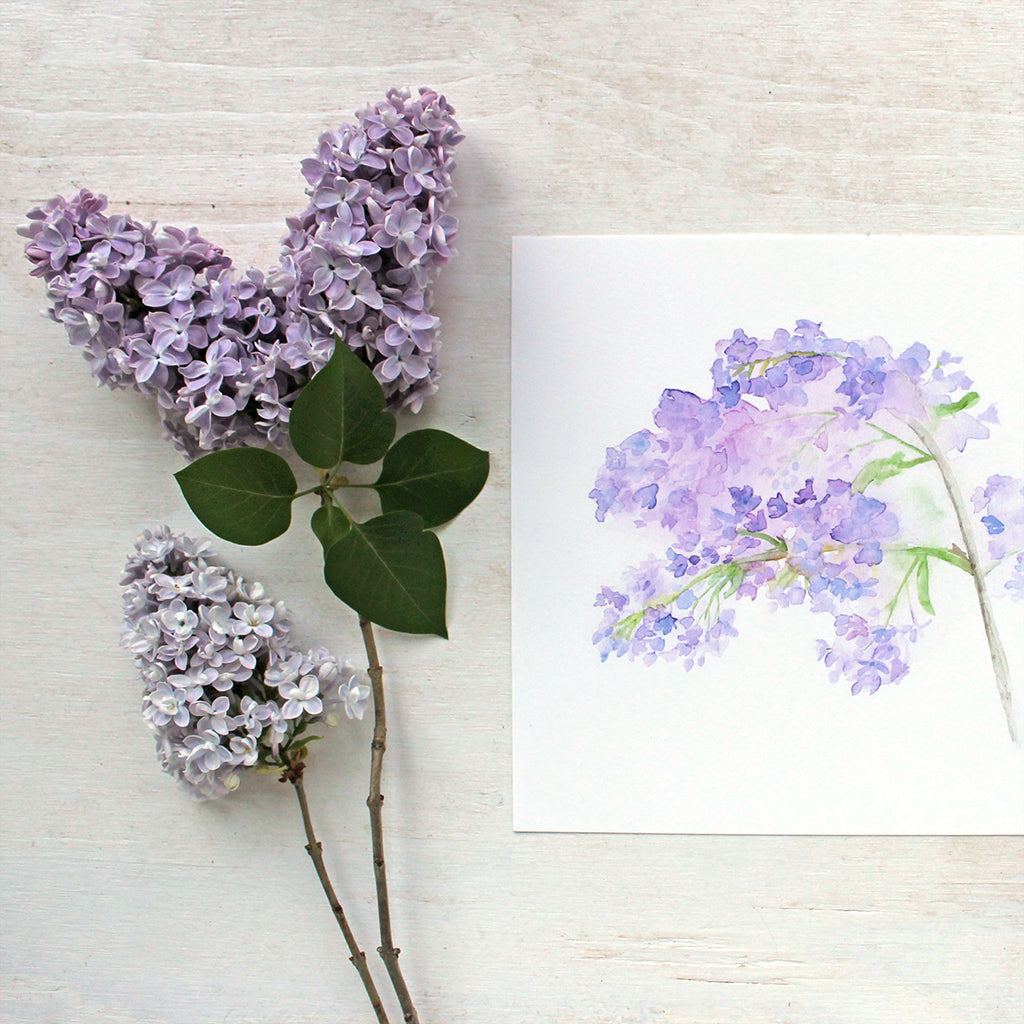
375	801
315	850
1000	666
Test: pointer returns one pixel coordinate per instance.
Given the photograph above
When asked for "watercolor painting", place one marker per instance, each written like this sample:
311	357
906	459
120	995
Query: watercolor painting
784	486
767	535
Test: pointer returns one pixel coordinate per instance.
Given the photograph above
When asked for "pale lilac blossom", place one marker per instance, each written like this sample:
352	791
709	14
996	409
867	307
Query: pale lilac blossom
224	689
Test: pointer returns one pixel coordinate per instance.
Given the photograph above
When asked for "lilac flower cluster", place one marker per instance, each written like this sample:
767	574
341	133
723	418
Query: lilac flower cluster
1000	505
225	354
224	687
762	489
868	655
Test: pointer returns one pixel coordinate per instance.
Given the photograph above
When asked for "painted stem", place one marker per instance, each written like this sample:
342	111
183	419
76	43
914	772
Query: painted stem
1000	666
387	949
315	850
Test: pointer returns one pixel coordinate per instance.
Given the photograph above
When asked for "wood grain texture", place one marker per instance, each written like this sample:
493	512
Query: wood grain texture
122	902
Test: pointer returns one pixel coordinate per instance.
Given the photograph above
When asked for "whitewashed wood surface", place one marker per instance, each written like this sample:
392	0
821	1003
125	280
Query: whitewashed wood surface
122	902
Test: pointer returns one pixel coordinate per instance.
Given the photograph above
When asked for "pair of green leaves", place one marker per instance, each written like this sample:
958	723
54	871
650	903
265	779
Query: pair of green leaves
919	570
390	569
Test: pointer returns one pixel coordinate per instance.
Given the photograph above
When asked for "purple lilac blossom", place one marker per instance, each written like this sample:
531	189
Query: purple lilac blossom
225	353
1000	505
224	688
765	489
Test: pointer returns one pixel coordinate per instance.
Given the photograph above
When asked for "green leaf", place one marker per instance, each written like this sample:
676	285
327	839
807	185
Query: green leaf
299	741
923	589
392	571
432	473
339	415
776	542
626	627
952	408
733	577
242	494
951	555
330	523
878	470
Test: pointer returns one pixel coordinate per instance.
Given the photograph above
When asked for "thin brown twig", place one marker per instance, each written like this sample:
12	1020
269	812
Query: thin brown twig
387	949
315	850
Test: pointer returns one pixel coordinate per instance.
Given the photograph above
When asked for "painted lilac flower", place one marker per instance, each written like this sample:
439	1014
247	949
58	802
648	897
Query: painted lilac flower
867	656
1000	506
216	659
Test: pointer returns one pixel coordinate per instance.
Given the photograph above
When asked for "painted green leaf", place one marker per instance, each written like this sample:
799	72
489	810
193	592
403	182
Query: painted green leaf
878	470
951	555
923	586
392	571
330	524
432	473
626	627
339	415
952	408
242	494
775	542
